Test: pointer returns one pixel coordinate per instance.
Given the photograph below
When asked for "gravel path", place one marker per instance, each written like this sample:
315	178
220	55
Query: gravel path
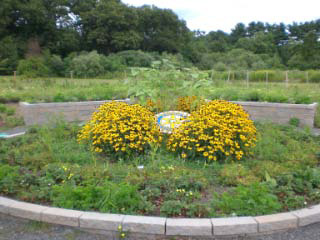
12	228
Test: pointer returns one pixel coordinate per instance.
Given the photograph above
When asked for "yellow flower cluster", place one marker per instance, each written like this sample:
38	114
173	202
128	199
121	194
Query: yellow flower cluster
189	103
216	131
121	128
154	106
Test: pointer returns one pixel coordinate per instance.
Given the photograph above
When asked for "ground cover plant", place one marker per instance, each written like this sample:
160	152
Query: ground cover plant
9	117
49	166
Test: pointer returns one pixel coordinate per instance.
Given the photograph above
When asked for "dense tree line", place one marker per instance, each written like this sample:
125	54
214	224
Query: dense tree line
31	27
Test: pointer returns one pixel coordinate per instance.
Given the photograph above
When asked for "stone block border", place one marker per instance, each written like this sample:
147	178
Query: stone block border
147	227
281	112
44	113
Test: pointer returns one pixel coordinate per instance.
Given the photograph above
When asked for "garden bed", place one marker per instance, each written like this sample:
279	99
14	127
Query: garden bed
47	166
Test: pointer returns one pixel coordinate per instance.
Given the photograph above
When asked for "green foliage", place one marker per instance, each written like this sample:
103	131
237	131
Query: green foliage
109	197
33	67
314	76
132	58
236	174
87	65
294	122
8	55
252	200
9	179
48	165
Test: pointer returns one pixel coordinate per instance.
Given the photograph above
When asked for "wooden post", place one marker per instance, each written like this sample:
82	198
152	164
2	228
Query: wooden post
267	78
229	76
14	75
71	74
307	76
247	79
287	79
212	74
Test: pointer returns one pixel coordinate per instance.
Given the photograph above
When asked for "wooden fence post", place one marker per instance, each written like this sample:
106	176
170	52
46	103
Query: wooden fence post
307	76
267	77
212	74
287	79
247	79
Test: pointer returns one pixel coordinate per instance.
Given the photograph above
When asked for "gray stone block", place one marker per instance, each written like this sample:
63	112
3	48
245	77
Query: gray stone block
101	221
189	227
61	216
276	222
26	210
5	204
234	225
141	224
308	216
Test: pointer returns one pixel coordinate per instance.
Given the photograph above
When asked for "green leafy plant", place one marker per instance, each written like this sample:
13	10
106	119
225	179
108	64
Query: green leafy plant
251	200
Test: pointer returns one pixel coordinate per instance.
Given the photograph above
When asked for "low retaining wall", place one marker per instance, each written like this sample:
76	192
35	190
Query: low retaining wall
143	227
43	113
281	112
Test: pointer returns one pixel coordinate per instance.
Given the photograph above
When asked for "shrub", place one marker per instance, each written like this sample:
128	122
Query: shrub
113	63
8	55
87	65
121	129
33	67
54	63
133	58
314	76
219	130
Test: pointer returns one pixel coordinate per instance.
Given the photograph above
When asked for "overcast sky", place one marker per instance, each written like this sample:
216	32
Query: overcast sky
212	15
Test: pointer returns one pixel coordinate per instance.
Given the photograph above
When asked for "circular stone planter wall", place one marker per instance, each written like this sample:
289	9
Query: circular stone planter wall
145	227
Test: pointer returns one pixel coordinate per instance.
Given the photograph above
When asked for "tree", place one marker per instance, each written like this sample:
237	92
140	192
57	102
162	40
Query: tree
238	32
161	30
109	26
218	41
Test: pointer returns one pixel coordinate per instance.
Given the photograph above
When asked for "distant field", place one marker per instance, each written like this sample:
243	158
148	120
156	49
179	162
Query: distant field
166	84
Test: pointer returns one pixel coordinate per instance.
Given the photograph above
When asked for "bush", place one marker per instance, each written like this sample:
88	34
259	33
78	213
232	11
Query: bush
8	55
121	129
133	58
33	67
219	130
55	64
314	76
87	65
113	63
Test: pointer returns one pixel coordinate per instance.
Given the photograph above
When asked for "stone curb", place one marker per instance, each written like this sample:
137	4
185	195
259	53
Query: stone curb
200	227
